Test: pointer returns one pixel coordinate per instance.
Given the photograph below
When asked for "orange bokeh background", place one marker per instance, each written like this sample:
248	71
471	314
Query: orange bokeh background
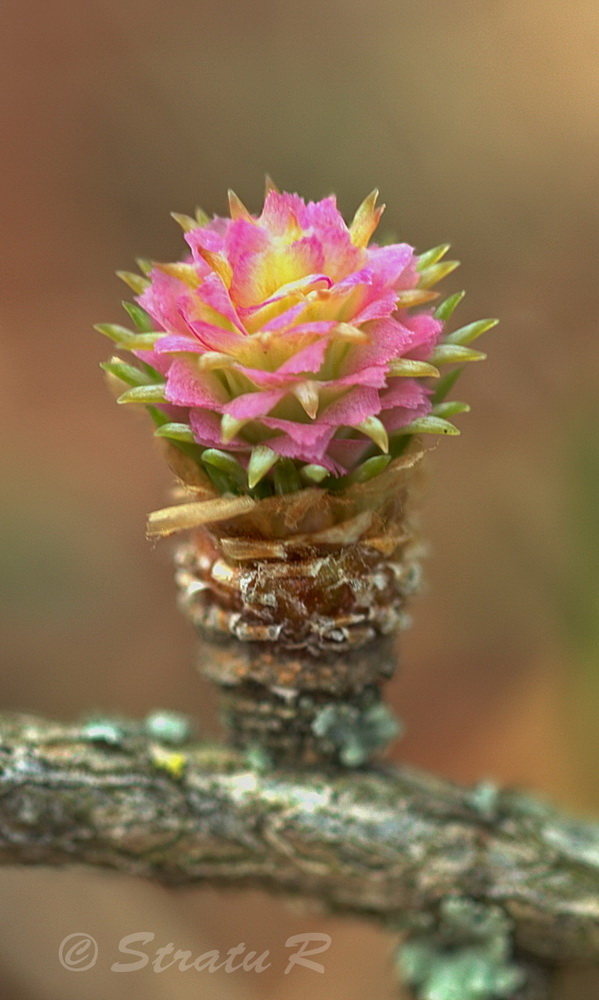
479	124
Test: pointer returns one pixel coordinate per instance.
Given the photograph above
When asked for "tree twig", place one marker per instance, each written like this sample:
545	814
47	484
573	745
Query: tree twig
387	843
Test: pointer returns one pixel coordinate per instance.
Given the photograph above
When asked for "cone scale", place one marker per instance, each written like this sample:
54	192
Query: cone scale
298	604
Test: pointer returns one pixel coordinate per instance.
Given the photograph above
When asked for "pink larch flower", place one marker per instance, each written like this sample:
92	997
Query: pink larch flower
288	336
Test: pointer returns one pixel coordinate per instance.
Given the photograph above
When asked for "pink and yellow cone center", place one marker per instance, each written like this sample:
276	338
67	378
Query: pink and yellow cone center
290	335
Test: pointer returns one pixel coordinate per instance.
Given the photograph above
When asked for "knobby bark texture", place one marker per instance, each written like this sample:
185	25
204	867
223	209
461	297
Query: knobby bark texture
386	843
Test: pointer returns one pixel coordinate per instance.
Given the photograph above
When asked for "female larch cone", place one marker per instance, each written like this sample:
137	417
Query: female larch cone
290	363
298	602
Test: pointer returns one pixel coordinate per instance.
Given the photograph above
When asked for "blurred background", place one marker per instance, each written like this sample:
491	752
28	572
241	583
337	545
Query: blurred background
479	122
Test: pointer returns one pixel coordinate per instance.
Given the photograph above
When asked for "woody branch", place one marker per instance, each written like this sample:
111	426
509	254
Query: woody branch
389	844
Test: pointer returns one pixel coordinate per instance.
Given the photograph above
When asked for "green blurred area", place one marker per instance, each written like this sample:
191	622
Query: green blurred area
479	123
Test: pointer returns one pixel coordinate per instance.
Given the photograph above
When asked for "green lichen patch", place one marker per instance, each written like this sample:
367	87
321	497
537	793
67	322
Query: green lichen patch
355	732
467	957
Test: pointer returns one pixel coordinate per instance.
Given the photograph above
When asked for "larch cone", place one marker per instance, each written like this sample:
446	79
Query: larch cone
286	348
298	602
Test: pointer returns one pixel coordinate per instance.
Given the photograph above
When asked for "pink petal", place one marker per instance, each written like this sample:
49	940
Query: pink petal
364	298
162	300
389	263
274	315
253	404
244	237
282	307
319	215
304	453
206	430
352	408
406	392
308	359
283	319
408	278
215	338
373	288
312	435
186	386
374	376
281	210
399	416
204	238
341	257
365	276
214	294
318	327
154	359
387	339
266	379
174	343
425	332
376	305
